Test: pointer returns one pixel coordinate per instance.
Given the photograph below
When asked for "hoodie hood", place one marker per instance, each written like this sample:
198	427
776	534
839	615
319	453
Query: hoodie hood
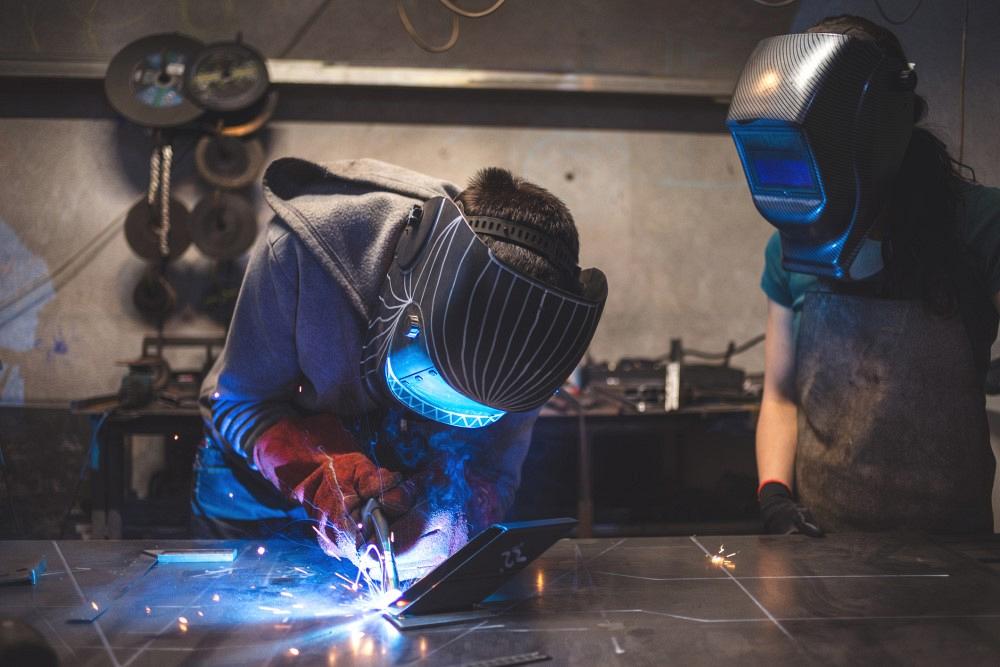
349	214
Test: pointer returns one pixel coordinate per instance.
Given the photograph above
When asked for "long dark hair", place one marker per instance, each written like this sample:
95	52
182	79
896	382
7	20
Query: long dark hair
925	255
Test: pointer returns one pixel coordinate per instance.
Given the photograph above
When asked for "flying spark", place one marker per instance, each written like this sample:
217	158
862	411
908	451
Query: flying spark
722	559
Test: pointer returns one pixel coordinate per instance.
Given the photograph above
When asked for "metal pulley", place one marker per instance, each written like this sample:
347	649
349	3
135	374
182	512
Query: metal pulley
223	225
143	229
229	162
154	297
145	81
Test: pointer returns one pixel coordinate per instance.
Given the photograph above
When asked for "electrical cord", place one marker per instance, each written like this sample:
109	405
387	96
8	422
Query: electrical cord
300	33
94	442
97	243
470	14
93	247
778	3
961	96
909	16
456	12
733	350
420	41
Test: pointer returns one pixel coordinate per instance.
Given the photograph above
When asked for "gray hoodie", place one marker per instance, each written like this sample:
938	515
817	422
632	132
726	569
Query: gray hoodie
295	340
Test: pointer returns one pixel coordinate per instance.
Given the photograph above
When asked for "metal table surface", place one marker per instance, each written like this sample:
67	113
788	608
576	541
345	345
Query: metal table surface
640	601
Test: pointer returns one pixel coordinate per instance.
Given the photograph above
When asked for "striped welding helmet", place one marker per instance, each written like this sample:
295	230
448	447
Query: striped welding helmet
462	338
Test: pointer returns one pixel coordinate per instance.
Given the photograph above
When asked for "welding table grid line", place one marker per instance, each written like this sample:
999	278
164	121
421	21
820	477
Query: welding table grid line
779	576
83	599
792	619
145	647
59	636
743	588
504	628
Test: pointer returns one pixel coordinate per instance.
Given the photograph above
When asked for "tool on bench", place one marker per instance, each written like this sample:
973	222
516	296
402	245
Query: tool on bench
23	573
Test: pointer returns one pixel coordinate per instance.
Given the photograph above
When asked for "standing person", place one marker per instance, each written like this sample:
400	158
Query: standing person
394	338
883	284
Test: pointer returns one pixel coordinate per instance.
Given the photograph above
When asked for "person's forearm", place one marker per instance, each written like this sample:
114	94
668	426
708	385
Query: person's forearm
777	432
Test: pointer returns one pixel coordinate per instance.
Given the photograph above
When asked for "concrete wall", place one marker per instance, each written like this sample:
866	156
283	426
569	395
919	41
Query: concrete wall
654	182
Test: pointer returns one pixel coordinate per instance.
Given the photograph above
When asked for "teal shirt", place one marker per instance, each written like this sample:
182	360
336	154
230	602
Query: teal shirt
979	230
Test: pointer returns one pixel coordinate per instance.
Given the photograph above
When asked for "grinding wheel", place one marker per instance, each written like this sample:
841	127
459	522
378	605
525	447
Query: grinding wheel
142	229
145	80
229	162
223	225
226	77
154	297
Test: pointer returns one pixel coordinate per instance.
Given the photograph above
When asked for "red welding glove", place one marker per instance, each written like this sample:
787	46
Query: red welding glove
316	461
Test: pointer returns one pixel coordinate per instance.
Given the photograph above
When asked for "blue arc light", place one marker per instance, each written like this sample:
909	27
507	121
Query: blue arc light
421	388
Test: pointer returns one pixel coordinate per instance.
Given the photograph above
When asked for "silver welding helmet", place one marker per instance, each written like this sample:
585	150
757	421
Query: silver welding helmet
821	122
460	337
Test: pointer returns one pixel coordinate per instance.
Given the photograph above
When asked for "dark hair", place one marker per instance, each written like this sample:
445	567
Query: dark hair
925	254
498	193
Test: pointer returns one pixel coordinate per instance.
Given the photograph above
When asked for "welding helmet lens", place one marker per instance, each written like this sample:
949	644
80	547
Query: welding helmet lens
413	380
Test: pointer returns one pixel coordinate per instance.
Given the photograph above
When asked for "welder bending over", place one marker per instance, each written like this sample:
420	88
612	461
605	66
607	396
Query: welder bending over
394	338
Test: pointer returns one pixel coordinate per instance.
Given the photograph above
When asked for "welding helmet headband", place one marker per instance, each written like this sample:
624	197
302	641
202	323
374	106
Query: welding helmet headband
462	338
821	122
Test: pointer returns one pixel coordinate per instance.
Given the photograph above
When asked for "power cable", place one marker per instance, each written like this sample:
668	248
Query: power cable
470	14
909	16
456	12
96	243
87	458
420	41
730	352
961	95
303	29
94	246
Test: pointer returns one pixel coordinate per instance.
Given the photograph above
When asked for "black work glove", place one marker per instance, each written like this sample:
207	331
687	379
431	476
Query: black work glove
782	515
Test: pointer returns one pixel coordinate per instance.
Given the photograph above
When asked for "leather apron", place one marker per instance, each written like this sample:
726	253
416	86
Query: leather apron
892	429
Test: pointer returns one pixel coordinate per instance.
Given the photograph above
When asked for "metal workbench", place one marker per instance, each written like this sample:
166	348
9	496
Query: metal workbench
846	599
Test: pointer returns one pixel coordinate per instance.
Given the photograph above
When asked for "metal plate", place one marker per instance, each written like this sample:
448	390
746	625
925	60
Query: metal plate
226	77
481	567
223	225
145	80
142	229
229	162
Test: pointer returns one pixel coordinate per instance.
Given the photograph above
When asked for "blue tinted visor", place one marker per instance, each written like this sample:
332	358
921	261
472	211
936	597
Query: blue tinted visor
413	380
781	171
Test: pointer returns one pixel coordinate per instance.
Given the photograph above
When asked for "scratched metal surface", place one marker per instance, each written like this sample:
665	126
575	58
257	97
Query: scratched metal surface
644	601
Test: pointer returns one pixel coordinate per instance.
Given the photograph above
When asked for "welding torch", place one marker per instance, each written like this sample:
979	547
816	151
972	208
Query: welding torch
375	527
